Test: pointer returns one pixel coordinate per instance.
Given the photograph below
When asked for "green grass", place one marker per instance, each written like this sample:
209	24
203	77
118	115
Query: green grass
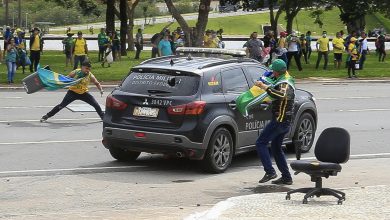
245	24
56	61
120	69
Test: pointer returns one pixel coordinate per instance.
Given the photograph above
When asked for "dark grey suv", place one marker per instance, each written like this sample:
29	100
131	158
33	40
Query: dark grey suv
185	106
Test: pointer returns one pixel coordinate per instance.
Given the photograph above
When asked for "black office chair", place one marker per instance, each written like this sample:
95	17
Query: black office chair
332	148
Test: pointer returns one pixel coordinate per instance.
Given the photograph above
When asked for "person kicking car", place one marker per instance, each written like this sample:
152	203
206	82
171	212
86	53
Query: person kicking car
79	91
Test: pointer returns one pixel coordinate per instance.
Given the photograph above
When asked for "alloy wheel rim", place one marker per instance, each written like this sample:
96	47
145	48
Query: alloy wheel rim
305	133
221	150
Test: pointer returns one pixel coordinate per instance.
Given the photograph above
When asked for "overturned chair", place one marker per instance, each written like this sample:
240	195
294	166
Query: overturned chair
332	148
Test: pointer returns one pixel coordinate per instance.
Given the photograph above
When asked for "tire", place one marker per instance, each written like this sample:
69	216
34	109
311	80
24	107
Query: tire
219	152
304	133
123	155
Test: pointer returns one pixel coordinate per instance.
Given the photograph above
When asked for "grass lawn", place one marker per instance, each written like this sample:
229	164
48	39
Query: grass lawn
245	24
120	69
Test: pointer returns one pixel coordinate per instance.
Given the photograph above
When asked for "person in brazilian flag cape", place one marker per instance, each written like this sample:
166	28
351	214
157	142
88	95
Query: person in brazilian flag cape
77	91
282	93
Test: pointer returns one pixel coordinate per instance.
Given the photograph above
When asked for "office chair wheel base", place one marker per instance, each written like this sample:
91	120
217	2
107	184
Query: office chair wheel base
288	197
340	202
304	201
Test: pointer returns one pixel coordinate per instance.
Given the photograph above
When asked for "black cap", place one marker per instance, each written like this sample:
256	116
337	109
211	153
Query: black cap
36	29
79	33
87	64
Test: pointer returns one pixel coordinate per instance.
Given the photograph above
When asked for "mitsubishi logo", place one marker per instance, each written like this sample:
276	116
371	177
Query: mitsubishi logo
145	102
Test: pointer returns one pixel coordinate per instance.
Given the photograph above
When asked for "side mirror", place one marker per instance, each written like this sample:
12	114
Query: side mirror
172	81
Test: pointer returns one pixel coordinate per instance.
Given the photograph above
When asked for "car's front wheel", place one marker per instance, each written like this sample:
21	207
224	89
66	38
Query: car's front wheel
124	155
219	153
304	133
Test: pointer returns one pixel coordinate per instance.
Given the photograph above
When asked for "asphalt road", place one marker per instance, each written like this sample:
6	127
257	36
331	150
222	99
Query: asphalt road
63	166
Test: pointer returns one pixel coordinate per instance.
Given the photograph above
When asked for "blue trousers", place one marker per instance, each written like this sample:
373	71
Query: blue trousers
11	67
274	132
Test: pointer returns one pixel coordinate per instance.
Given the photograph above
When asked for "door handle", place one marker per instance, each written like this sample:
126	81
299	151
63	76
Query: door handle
264	106
233	105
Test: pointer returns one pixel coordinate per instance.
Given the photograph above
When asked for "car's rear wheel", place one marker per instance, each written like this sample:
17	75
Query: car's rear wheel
304	134
124	155
219	152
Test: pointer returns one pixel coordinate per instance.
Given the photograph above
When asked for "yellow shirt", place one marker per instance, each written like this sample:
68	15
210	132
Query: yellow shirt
352	48
214	43
36	46
323	42
82	86
79	46
282	42
339	43
206	40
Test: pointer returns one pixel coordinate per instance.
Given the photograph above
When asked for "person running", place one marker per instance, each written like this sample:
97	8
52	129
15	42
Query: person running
68	45
79	91
338	48
80	50
353	57
36	47
282	111
323	49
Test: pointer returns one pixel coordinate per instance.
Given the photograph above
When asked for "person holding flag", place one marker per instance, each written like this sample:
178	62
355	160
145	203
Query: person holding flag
282	92
79	91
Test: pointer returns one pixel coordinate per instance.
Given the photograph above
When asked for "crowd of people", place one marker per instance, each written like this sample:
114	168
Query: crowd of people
290	45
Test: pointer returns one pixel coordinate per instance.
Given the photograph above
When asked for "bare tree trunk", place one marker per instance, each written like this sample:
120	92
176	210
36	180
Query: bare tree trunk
274	18
20	13
123	31
6	12
183	24
203	16
110	16
130	14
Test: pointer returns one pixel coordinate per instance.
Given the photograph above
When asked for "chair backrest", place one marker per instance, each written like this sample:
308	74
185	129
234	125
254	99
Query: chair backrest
333	146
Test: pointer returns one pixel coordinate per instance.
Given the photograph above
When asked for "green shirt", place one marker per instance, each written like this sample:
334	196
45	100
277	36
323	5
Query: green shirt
102	39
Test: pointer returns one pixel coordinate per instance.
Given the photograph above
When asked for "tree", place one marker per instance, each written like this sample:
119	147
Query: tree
292	8
274	17
130	14
110	16
197	34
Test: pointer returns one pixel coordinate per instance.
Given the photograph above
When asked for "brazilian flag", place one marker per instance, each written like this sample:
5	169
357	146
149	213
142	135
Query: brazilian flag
53	81
255	96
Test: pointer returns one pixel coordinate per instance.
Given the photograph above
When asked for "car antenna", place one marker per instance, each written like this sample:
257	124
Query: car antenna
171	62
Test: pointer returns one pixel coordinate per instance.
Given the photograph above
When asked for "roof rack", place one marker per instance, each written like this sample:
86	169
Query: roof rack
235	53
158	58
239	60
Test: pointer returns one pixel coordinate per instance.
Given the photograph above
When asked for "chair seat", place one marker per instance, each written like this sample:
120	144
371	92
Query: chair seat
314	166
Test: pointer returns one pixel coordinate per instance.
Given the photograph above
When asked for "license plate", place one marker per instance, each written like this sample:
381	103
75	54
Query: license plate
145	112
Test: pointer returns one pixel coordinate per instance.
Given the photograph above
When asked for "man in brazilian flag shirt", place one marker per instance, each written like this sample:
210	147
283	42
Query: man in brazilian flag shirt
282	93
79	91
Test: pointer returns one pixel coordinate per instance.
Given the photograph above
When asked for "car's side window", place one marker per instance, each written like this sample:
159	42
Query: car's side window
255	72
234	81
213	83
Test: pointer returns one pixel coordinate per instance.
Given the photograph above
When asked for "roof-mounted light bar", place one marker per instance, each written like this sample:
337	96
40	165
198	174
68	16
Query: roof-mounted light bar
236	53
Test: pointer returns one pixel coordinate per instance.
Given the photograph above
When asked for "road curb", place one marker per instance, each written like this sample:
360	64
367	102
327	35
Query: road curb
298	81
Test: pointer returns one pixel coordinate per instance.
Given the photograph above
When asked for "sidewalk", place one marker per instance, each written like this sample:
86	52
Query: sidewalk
367	197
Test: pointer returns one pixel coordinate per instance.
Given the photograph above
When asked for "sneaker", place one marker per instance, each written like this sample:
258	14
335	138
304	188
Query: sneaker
282	181
44	118
354	76
268	177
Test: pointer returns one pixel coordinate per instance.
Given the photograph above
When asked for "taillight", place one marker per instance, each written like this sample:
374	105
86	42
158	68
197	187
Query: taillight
114	103
192	108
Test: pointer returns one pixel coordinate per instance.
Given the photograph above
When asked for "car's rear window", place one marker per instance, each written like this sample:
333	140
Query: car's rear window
147	83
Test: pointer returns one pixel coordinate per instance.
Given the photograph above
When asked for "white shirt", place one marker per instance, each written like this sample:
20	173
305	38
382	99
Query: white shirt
293	46
364	44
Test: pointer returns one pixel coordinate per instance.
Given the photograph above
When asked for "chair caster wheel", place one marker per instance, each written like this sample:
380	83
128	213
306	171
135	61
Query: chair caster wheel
340	202
304	201
343	198
288	197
